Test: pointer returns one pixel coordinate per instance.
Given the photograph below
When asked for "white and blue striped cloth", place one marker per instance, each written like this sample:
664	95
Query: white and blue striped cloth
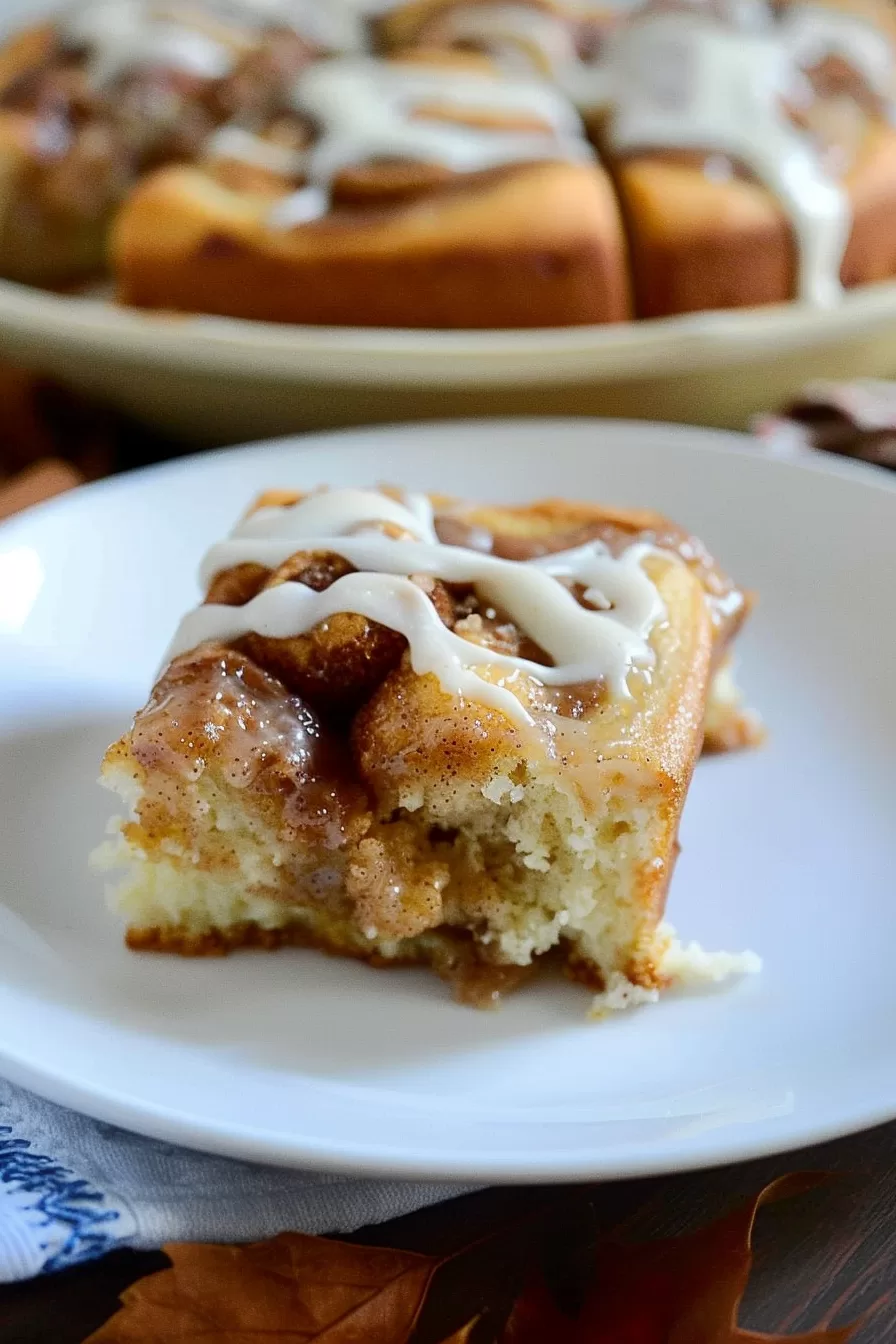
72	1189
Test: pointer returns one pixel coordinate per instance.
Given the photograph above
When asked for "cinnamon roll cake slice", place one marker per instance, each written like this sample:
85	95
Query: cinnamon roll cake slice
417	731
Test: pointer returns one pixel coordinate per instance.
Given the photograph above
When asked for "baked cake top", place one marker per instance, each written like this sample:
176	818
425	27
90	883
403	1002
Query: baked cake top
588	611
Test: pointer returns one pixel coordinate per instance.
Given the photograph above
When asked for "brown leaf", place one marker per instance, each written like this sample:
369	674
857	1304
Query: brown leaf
464	1334
310	1290
686	1290
294	1288
536	1318
821	1336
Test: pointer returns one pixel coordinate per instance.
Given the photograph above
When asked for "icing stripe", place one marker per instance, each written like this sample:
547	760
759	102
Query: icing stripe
583	644
686	82
367	110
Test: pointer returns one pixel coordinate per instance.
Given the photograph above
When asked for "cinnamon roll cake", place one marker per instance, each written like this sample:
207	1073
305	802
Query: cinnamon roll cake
412	730
452	163
397	193
110	90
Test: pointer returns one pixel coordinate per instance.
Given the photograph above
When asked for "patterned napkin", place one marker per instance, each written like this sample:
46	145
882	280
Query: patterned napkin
72	1189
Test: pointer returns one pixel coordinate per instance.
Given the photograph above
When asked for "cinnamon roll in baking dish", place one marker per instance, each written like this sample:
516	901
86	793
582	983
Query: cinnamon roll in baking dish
453	163
745	175
415	730
113	88
388	193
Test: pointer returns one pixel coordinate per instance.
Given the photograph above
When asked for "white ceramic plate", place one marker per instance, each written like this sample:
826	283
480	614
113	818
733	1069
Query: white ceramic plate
222	380
299	1059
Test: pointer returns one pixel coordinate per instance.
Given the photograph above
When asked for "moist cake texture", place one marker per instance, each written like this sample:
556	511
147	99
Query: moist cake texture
412	730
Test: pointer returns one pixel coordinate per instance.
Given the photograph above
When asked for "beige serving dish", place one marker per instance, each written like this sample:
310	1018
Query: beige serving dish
219	380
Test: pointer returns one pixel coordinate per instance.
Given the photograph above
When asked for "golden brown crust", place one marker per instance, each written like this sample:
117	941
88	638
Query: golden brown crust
336	665
235	587
737	730
451	954
702	244
25	52
71	148
53	221
220	942
215	712
698	244
536	245
871	251
408	244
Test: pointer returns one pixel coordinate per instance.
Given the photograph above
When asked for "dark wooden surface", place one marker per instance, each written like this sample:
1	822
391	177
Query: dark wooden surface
827	1256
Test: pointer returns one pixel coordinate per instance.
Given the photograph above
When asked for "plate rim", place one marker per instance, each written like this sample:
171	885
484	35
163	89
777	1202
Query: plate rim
198	343
728	1144
708	439
166	1125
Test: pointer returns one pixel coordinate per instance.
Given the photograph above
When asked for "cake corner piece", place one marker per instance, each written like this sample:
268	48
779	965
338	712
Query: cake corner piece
411	730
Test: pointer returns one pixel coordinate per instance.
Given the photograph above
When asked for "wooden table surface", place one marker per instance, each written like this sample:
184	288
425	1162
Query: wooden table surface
826	1256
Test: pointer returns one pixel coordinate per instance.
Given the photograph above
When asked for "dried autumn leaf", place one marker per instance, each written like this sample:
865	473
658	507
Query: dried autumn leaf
820	1336
293	1288
464	1334
536	1318
687	1289
310	1290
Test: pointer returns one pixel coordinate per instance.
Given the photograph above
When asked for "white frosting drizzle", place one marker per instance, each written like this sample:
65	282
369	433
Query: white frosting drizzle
333	513
814	33
120	35
585	644
235	142
685	79
687	82
203	39
518	36
712	82
365	109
